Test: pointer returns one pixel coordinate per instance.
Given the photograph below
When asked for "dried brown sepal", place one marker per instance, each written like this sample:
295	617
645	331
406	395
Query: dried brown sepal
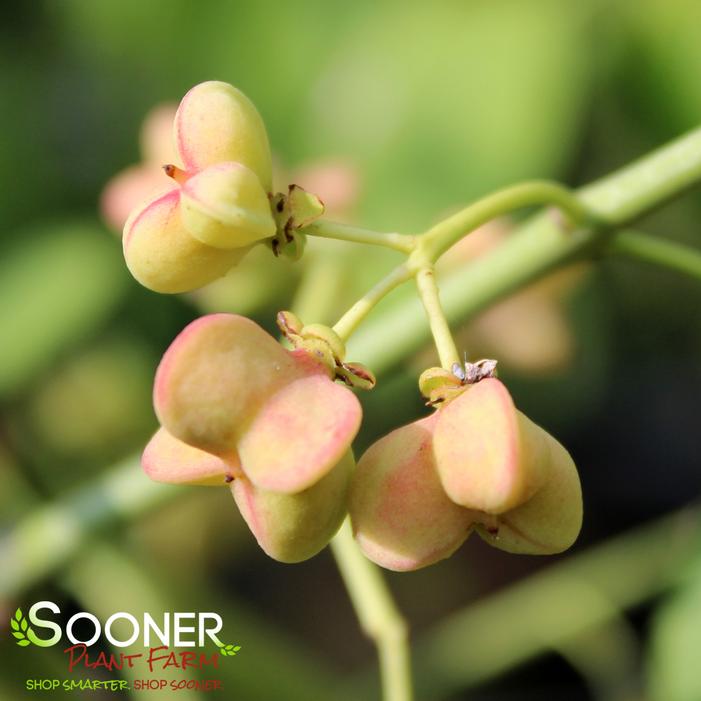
356	375
439	385
481	370
292	211
290	325
327	348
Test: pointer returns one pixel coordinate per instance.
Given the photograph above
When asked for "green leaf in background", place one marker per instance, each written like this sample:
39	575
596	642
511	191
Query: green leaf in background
485	93
435	102
668	55
673	662
96	404
55	286
16	496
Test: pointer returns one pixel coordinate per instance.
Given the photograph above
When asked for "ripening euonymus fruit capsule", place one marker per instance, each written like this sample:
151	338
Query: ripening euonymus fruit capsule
237	408
219	206
477	463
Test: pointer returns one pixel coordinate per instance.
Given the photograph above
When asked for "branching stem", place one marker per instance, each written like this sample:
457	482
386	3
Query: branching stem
445	234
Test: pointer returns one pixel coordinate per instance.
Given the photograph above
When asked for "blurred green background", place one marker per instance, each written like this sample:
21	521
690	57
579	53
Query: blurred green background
430	105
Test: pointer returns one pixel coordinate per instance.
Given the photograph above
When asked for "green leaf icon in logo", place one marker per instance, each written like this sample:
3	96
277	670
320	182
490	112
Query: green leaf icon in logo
21	629
229	650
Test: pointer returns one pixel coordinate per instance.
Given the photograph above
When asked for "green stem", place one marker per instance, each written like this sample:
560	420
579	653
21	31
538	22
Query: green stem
668	254
424	250
443	338
445	234
347	324
536	248
345	232
377	613
647	183
369	594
